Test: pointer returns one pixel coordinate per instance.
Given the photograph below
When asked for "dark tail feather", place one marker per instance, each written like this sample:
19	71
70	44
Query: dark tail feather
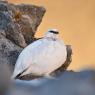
19	75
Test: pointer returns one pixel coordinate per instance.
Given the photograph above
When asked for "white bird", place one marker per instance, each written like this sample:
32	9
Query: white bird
42	57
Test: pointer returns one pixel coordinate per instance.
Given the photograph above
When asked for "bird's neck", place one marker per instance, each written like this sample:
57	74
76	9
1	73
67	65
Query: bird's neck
51	36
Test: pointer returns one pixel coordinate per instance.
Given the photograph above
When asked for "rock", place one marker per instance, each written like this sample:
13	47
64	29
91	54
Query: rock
27	28
8	51
4	20
5	82
30	20
17	28
69	83
13	33
11	28
34	12
3	6
24	20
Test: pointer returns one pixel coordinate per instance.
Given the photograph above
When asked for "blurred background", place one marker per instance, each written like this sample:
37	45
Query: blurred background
76	21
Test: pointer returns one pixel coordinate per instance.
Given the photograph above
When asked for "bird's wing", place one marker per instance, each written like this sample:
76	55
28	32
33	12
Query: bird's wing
25	58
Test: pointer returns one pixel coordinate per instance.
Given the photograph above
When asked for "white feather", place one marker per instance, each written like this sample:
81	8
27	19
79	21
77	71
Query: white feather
42	56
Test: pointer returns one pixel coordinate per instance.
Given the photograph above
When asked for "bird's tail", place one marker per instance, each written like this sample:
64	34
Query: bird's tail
17	76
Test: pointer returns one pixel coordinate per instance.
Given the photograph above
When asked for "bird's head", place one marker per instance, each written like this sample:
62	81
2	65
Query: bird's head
52	33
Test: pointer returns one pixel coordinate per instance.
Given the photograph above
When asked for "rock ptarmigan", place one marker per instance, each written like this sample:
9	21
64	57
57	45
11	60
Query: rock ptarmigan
42	57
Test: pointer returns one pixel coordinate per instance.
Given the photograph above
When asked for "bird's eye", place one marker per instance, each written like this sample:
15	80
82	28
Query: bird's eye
55	32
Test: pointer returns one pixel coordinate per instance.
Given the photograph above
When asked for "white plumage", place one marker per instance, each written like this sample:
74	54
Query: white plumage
42	56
